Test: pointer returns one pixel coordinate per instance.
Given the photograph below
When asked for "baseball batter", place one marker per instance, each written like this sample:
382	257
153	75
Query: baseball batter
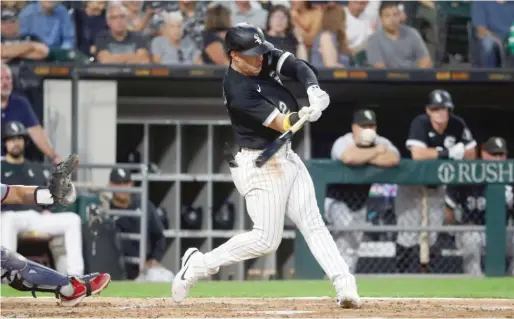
260	109
26	275
345	204
466	205
437	134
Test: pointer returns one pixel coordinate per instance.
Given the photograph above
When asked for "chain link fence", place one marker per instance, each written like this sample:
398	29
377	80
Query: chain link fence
378	230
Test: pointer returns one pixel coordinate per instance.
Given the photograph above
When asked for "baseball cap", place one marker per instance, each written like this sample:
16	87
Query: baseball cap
9	15
495	145
365	117
120	176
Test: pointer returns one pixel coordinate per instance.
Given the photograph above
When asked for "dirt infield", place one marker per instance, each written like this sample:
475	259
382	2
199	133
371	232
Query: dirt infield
257	308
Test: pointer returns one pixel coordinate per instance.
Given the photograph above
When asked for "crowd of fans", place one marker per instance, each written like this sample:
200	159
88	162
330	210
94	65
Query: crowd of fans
390	34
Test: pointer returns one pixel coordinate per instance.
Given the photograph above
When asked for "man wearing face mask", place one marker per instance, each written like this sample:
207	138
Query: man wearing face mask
466	205
261	109
345	204
436	134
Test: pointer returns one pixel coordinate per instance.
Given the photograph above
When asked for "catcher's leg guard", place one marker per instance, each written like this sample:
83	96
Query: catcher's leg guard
25	275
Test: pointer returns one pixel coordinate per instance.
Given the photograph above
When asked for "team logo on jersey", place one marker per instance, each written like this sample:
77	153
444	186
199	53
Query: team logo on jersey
258	88
466	135
282	107
449	141
31	173
257	39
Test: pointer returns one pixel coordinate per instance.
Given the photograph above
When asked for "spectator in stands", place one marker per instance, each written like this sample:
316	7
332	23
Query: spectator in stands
466	205
173	47
17	108
216	26
492	21
280	32
396	45
138	20
330	49
357	31
195	15
49	20
365	11
91	20
345	204
246	11
17	47
17	219
308	19
156	245
15	6
118	45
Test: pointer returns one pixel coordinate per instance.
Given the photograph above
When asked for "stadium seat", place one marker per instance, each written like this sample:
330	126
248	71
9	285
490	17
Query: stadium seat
453	22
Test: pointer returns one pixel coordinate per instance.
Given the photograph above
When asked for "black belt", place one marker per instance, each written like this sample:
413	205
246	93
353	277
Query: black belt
228	156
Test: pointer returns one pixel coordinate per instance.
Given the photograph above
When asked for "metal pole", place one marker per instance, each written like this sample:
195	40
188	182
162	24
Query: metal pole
144	218
144	200
75	110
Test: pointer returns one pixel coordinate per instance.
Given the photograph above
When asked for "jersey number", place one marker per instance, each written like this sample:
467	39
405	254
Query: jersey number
282	107
473	203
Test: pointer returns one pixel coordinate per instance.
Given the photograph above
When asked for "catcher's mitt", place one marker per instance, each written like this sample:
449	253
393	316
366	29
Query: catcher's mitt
61	188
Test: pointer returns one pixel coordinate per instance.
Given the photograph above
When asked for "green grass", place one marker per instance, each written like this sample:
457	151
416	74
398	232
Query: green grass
380	287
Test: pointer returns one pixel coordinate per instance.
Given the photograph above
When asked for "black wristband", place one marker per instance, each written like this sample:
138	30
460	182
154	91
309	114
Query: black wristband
293	118
443	154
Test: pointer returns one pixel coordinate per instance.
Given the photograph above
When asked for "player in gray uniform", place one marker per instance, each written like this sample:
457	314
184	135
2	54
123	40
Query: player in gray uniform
345	204
466	205
436	134
26	275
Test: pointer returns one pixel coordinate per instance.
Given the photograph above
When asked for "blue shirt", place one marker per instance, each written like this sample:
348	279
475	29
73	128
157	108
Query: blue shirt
19	109
56	30
496	17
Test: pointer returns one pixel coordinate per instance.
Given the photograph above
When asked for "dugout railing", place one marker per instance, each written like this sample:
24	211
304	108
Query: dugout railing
411	173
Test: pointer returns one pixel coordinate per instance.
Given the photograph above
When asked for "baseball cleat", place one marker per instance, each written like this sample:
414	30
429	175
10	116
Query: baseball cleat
95	282
83	286
187	275
79	293
347	296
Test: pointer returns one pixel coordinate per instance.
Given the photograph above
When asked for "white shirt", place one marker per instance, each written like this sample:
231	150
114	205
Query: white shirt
357	31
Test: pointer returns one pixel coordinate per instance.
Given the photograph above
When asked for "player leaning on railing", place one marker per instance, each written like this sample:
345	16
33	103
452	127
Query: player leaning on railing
26	275
436	134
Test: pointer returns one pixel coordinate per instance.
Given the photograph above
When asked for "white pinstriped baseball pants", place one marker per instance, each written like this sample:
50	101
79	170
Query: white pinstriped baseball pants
282	186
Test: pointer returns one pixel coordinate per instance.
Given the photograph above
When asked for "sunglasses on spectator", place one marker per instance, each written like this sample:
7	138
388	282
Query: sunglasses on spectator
180	55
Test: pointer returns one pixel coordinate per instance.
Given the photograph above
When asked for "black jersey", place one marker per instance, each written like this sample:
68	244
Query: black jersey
254	101
422	133
471	201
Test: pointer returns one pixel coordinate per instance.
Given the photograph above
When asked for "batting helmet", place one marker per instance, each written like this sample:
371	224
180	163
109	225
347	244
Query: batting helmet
440	98
247	40
12	129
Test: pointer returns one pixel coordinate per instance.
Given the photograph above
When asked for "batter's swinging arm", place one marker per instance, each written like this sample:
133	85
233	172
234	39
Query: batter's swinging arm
279	142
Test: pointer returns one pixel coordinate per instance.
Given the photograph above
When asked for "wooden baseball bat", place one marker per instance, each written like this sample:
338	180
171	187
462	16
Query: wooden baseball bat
279	142
424	246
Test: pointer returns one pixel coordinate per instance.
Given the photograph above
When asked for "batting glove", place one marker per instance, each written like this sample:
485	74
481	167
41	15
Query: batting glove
318	97
313	112
456	151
